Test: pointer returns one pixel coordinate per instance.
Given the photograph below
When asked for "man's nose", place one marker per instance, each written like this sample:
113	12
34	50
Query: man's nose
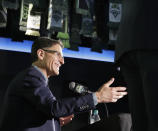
62	60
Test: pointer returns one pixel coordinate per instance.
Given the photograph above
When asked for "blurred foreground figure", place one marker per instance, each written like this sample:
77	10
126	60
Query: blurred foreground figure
137	54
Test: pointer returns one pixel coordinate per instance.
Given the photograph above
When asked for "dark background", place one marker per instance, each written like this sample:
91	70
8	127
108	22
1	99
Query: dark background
89	73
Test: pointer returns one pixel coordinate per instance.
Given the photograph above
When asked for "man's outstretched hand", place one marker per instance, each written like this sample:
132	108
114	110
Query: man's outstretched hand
107	94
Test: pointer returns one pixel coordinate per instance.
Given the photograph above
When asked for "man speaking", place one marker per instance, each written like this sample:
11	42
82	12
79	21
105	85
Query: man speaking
29	104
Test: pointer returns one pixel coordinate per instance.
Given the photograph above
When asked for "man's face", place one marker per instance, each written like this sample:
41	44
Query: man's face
53	59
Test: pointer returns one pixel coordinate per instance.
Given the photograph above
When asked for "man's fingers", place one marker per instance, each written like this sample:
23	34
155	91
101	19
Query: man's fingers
118	96
109	82
121	93
118	89
114	100
118	92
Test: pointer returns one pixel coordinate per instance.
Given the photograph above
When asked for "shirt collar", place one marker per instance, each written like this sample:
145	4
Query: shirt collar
46	79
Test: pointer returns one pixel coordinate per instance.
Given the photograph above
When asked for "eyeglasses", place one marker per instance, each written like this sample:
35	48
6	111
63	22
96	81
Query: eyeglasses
54	52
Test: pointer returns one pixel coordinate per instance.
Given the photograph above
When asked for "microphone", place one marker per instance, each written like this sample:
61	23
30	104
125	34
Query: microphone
78	88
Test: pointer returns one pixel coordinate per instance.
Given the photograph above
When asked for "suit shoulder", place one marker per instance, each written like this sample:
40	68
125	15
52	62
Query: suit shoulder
34	75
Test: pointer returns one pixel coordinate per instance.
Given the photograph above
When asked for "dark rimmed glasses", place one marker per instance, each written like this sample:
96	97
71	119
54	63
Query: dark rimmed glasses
54	52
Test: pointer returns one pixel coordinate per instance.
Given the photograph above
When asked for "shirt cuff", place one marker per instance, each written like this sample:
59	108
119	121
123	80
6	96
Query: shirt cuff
95	99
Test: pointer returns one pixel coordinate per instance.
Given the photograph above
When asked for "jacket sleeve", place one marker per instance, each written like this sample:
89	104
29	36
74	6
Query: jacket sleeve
37	92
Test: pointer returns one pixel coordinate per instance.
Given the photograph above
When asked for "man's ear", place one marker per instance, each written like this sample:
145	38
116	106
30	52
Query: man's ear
40	54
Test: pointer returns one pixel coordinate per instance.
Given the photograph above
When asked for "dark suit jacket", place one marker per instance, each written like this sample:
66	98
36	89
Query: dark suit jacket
30	105
139	27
